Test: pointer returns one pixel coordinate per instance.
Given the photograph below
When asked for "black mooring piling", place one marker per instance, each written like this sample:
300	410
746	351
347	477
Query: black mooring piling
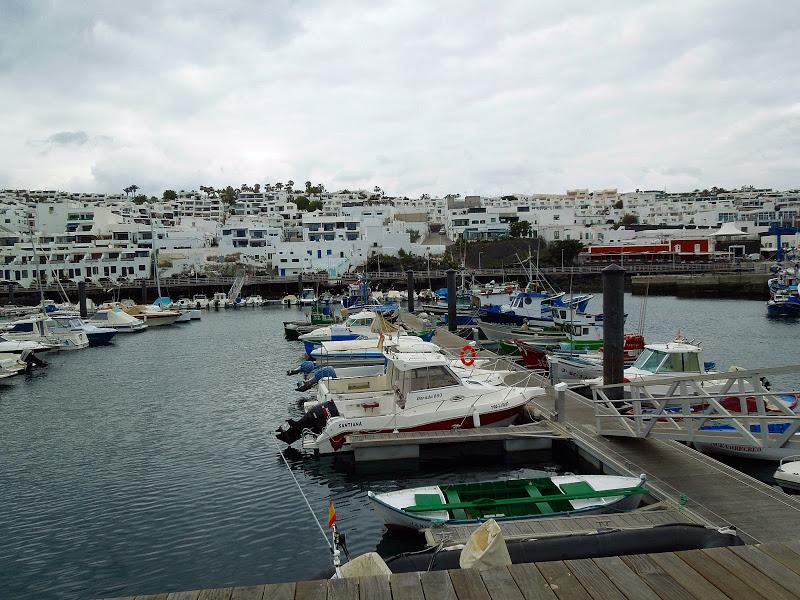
410	276
451	300
82	299
613	329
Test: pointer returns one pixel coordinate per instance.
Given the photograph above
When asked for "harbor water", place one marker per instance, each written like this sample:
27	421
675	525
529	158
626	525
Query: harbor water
150	465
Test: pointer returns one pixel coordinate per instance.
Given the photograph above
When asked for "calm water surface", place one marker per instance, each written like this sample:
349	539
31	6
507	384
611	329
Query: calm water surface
149	466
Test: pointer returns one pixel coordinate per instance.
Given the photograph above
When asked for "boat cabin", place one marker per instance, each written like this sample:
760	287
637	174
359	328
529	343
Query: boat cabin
362	319
526	302
411	379
199	297
63	323
676	357
30	326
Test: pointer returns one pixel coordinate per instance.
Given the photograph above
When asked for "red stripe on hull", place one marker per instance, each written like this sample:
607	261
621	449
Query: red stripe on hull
465	423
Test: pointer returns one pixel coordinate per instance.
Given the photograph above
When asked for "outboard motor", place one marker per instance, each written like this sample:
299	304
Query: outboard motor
318	374
306	367
313	420
31	360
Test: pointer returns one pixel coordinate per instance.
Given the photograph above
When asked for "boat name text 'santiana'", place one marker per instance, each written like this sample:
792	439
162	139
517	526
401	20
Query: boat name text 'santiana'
349	424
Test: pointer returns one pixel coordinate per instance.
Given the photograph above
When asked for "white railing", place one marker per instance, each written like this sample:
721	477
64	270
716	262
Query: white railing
733	407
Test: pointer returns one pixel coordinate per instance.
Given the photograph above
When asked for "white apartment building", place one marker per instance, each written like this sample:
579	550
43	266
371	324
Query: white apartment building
61	257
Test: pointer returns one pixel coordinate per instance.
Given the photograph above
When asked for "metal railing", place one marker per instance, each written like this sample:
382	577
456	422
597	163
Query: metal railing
733	407
343	278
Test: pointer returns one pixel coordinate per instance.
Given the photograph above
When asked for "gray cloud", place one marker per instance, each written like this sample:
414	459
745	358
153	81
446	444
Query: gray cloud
66	138
412	96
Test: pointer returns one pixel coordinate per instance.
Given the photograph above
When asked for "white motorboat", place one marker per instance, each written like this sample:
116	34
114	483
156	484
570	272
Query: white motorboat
183	303
354	327
183	316
194	313
200	301
153	316
418	392
289	300
220	300
254	301
348	353
41	328
658	361
98	336
788	474
307	296
11	364
115	317
507	500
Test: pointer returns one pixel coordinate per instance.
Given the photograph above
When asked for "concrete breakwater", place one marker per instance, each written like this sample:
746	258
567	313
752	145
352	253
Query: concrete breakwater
726	285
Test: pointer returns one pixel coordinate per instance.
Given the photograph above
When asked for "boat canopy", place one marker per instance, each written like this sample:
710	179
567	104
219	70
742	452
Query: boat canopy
669	358
163	301
406	361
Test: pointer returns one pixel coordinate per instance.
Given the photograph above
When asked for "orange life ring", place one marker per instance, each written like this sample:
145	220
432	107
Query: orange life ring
468	362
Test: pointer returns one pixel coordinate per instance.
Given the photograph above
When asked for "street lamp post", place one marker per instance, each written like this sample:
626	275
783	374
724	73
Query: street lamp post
479	260
562	259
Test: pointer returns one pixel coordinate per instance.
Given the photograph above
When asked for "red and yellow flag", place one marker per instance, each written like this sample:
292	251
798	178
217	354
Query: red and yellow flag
331	514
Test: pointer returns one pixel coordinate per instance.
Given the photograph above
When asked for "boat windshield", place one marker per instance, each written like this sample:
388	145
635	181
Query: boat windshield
427	378
656	361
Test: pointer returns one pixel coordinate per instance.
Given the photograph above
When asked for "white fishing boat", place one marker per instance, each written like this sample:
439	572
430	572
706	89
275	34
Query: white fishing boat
507	500
220	300
418	392
200	301
658	361
354	327
254	301
364	352
98	336
153	316
307	296
41	328
115	317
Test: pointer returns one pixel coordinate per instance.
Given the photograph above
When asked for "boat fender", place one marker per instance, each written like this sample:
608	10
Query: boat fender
468	362
476	419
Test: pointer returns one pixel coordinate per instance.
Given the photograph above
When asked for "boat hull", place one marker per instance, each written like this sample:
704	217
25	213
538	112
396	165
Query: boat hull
101	338
156	320
389	506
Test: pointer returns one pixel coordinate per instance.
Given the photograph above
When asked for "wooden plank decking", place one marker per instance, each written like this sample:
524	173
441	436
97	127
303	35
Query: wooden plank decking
745	572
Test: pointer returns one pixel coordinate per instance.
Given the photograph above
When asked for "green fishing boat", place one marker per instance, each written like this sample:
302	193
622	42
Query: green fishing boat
465	503
292	330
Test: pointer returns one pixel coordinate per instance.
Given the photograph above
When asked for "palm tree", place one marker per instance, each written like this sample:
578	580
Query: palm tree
279	186
289	185
308	187
133	188
320	187
257	188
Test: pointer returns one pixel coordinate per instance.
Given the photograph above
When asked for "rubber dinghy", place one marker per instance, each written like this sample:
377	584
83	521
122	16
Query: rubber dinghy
507	500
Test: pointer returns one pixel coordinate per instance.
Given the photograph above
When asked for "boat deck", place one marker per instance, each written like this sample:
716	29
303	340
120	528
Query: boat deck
710	491
747	572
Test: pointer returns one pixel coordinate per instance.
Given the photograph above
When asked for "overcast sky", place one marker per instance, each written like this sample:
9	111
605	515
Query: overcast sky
470	97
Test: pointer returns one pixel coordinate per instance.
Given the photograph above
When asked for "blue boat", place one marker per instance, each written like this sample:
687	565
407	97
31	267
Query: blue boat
784	305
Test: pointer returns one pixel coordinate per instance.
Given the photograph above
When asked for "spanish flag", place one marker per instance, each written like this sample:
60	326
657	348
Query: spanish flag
331	514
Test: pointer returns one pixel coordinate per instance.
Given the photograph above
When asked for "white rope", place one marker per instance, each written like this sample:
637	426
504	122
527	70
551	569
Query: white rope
308	504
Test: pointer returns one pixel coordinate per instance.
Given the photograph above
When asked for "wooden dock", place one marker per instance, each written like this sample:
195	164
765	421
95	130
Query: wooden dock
767	571
523	529
710	491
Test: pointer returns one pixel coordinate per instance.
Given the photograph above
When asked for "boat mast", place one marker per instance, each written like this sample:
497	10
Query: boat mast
155	251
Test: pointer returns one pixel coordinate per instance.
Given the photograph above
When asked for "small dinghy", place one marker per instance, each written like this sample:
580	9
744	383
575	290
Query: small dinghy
466	503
